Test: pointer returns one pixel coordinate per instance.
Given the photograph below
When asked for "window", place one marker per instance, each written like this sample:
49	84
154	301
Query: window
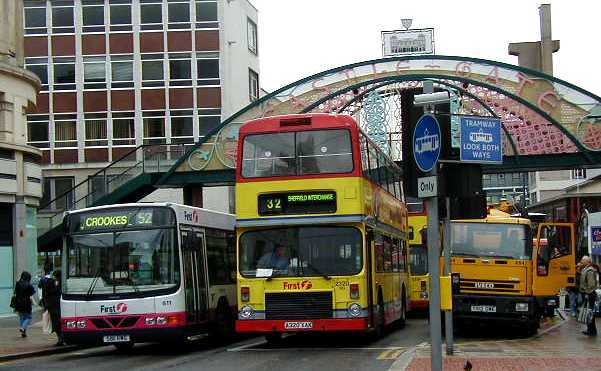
253	85
94	73
62	19
124	133
35	17
556	242
182	126
154	127
95	129
578	173
221	256
122	71
64	73
37	131
65	130
39	66
180	73
152	70
206	14
57	187
93	15
207	121
120	17
179	15
252	36
207	67
297	153
151	16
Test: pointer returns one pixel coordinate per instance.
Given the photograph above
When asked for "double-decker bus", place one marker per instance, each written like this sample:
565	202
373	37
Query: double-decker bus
418	256
322	228
147	272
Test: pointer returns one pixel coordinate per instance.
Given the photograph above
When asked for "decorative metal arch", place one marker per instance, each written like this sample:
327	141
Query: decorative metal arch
567	114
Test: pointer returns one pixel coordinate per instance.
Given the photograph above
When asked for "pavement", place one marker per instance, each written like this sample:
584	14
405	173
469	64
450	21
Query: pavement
559	345
13	346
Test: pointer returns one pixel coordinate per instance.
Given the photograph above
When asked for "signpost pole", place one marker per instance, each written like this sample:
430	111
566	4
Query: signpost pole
448	315
434	266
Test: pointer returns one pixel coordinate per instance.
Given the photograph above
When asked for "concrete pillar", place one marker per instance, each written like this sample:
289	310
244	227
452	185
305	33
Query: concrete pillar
20	249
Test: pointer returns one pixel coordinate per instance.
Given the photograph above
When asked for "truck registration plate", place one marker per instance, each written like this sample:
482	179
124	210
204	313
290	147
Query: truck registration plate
116	339
298	325
484	308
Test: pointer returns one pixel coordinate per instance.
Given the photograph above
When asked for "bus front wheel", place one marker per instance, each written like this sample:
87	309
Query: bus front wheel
273	338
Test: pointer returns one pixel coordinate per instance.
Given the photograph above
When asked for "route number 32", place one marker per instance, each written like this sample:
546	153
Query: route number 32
274	204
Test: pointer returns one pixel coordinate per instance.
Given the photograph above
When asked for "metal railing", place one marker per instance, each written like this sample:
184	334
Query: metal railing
144	159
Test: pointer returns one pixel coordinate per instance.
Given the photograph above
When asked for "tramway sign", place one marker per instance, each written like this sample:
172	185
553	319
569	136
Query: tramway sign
426	142
481	140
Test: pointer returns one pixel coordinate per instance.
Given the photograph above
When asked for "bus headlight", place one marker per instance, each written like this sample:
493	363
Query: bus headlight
521	307
71	324
354	310
150	321
161	320
246	312
424	295
82	324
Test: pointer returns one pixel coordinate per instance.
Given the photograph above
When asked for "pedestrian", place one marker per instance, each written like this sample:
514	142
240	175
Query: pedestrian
22	302
588	286
47	276
52	303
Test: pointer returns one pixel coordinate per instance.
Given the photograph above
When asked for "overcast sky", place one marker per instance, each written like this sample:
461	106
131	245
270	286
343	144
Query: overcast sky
298	38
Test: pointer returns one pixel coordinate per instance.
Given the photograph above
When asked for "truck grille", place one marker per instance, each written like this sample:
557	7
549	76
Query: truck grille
488	285
298	305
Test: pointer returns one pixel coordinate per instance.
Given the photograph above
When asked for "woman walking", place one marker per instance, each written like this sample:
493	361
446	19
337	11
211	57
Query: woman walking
23	292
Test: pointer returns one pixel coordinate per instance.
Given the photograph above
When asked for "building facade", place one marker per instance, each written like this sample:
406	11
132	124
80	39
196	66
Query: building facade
20	169
512	187
548	184
117	74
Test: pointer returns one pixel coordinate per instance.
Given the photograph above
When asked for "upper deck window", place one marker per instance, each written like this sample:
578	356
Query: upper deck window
297	153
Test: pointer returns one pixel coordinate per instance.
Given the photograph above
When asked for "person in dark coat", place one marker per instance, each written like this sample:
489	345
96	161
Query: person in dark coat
51	291
23	292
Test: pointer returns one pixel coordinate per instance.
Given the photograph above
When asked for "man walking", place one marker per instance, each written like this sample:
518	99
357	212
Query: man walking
588	285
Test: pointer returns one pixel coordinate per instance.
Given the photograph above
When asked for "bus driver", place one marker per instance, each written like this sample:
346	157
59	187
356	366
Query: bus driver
276	259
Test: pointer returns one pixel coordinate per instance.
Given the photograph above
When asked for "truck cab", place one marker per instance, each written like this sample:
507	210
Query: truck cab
504	271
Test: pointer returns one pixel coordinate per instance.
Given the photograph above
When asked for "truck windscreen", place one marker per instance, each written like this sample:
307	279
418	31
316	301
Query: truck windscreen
491	240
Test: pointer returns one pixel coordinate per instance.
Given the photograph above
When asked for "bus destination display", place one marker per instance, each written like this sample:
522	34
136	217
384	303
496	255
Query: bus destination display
120	218
318	202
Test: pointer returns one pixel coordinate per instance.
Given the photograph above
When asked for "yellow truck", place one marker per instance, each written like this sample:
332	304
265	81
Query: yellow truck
505	271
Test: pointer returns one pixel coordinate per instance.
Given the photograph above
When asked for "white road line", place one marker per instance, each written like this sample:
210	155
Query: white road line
246	346
249	348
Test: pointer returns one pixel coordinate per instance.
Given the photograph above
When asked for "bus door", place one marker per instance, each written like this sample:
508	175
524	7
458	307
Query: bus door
370	269
195	274
554	258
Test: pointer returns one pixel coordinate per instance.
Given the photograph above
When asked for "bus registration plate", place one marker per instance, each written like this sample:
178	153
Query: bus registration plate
116	339
484	308
304	325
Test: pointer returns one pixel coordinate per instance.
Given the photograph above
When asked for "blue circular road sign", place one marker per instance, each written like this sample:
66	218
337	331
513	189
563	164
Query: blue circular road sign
426	142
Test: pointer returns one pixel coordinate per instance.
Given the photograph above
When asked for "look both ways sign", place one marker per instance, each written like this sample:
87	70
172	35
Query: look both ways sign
481	140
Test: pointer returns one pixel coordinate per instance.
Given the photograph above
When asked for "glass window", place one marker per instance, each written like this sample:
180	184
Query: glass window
93	18
94	72
152	70
182	126
269	155
120	17
252	36
324	151
207	123
206	14
65	130
253	85
35	19
180	73
125	262
221	256
154	127
301	252
122	71
151	16
64	74
54	187
95	129
179	15
495	240
37	131
208	71
418	263
124	132
39	66
62	19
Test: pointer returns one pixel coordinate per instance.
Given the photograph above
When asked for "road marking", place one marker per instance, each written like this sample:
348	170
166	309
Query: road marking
391	354
246	346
